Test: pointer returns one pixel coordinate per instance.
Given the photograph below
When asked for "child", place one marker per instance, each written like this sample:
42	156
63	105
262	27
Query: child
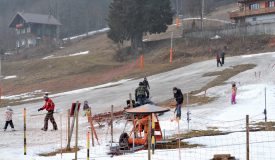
218	60
9	113
234	92
86	106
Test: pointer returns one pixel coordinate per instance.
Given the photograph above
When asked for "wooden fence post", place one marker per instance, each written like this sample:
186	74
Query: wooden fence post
149	137
179	138
247	137
72	125
112	119
25	135
61	135
88	145
76	132
68	129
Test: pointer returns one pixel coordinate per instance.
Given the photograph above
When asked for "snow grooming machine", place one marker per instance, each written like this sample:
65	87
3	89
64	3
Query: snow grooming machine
146	128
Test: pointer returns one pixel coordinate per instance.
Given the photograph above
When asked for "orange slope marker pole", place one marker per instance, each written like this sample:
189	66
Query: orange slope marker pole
142	62
171	49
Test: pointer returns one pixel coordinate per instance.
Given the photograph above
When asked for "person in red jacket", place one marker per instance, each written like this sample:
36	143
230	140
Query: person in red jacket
49	106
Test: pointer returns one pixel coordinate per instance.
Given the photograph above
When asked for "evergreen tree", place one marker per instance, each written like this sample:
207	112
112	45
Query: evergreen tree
131	19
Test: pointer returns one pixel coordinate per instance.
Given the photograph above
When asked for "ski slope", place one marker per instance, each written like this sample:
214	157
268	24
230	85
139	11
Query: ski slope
250	100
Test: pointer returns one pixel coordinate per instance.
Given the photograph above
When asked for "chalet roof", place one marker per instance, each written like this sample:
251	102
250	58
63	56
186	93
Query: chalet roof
147	109
36	18
249	1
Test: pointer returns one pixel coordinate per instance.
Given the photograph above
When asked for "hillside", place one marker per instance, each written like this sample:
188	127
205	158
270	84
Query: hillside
216	127
105	62
101	65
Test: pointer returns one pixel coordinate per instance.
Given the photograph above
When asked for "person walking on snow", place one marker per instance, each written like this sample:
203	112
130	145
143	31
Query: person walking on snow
146	83
179	99
49	106
223	55
8	114
141	94
218	60
234	92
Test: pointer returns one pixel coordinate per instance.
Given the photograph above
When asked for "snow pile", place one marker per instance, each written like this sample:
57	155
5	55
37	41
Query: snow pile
22	96
70	55
91	33
216	37
10	77
8	53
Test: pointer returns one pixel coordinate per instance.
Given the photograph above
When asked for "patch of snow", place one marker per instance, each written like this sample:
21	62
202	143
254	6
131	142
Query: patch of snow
8	53
22	96
91	33
48	57
80	53
216	37
258	54
70	55
10	77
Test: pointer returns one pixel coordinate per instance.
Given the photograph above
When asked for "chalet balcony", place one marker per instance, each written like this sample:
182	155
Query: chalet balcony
238	14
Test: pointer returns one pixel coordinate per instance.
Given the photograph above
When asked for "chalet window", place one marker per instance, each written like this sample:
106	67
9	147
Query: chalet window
23	31
254	6
17	31
267	4
23	42
17	44
28	29
271	4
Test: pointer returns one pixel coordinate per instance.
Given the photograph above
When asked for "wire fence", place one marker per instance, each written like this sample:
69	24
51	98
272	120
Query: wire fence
205	138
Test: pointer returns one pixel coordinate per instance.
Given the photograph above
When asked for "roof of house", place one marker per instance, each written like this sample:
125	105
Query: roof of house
249	1
36	18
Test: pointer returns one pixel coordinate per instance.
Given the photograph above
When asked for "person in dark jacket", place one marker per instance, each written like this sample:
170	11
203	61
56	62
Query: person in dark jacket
223	55
218	59
146	83
179	99
49	106
141	94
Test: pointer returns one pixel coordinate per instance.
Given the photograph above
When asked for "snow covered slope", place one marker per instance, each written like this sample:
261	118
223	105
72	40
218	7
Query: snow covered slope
220	113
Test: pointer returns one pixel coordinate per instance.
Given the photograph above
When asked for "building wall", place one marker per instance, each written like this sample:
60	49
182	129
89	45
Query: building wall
268	18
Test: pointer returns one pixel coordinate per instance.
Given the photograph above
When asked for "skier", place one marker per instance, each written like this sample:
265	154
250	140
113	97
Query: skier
218	59
49	106
179	99
9	113
234	92
146	83
141	94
